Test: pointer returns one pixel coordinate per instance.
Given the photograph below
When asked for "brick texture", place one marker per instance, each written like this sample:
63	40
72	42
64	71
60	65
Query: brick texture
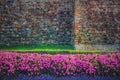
87	24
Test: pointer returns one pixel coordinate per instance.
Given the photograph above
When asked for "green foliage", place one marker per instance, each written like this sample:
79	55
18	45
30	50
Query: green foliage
37	47
54	49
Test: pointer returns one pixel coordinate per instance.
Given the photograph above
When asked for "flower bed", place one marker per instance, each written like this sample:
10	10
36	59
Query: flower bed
13	63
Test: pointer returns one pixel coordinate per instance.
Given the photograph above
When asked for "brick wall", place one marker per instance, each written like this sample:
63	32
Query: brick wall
36	22
94	23
97	24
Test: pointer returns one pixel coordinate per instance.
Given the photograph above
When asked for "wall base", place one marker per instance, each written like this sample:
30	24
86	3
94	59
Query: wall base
114	47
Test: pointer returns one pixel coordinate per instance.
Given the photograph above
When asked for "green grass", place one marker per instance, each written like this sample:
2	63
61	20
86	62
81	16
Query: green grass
47	49
36	47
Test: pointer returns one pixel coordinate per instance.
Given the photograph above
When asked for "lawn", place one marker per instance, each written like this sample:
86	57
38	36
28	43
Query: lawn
48	49
37	47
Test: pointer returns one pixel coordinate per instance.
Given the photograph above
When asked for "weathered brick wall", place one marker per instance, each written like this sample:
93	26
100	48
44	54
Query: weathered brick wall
36	22
97	24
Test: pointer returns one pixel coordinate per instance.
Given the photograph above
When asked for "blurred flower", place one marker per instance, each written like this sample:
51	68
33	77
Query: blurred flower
60	64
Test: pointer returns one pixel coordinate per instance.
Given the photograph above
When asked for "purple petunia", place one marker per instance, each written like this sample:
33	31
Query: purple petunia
61	64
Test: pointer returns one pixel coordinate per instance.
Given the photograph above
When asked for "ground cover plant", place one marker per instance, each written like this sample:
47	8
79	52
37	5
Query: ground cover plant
14	63
36	47
48	49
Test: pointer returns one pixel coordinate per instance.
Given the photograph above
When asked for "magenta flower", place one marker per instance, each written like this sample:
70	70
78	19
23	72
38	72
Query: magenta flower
60	64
